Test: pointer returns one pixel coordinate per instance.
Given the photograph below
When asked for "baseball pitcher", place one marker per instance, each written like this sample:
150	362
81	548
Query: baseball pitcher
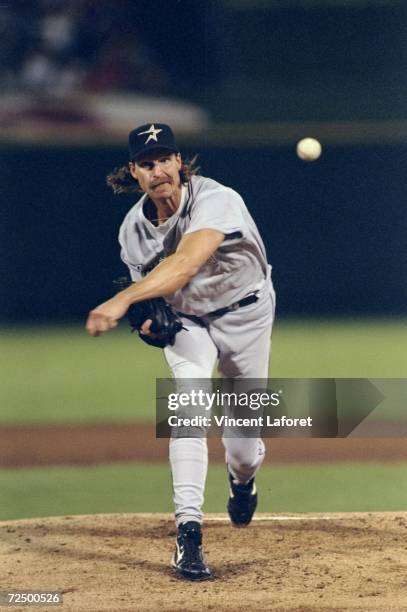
201	289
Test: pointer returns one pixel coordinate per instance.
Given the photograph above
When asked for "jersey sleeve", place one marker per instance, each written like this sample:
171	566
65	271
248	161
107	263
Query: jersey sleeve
135	273
220	210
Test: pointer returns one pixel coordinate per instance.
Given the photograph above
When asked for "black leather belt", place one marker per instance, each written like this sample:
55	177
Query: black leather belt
250	299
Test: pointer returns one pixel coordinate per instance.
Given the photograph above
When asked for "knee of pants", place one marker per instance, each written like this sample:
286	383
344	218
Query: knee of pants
181	420
244	452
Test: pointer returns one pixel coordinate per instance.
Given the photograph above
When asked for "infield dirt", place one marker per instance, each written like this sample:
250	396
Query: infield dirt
296	563
24	445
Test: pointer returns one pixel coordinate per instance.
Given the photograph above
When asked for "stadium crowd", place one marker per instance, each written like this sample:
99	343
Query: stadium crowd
58	47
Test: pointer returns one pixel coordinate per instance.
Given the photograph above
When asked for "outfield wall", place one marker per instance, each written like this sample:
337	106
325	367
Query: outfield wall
334	229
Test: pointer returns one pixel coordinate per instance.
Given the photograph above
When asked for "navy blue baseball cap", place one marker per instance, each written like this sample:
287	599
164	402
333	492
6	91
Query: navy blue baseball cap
149	137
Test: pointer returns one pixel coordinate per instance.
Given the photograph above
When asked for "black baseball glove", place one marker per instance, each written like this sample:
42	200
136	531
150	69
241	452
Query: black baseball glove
165	321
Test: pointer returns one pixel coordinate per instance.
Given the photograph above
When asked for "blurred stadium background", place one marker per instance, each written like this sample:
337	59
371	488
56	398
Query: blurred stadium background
240	81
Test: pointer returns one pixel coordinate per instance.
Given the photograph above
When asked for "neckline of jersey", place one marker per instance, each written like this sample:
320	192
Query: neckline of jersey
167	222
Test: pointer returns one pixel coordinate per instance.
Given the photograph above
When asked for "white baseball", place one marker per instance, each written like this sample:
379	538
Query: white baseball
309	149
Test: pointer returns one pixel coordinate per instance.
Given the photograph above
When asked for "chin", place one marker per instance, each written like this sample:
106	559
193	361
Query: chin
162	192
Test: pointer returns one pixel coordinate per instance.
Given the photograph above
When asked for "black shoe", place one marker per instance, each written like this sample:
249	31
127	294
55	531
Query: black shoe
188	559
242	502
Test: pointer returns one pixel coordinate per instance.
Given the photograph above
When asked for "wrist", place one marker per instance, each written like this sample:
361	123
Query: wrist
126	297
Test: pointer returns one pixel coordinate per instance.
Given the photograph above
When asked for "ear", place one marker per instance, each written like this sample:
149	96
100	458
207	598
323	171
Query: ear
178	159
133	170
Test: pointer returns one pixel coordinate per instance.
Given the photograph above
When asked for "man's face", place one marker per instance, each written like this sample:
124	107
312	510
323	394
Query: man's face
157	174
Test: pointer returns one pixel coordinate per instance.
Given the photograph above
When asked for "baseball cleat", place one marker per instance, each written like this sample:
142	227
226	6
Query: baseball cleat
188	559
242	502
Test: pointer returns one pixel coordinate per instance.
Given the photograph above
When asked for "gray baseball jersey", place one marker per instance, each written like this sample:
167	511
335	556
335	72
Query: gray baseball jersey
238	267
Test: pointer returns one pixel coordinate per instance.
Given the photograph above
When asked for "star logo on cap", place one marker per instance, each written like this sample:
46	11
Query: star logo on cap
152	133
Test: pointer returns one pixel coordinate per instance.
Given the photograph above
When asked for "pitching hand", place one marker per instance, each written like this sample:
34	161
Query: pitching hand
106	316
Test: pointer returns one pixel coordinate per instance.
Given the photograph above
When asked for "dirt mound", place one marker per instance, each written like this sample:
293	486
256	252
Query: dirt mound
318	562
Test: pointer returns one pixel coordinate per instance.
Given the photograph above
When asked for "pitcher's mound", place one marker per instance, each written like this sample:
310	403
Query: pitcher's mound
303	562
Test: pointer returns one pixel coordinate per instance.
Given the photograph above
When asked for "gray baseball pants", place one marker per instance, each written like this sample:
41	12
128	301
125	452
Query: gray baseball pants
239	341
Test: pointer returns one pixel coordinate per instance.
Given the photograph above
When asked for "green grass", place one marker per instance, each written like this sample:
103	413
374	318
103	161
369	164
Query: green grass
147	488
60	375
